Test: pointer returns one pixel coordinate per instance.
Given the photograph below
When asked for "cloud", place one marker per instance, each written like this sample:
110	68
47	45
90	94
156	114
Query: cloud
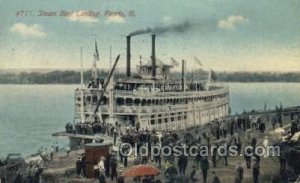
231	22
167	19
33	30
115	19
83	16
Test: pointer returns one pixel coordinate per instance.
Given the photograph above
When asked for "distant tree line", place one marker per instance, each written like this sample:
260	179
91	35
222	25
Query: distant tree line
258	77
53	77
73	77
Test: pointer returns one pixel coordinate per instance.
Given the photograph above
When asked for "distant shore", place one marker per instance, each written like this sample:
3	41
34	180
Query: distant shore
73	77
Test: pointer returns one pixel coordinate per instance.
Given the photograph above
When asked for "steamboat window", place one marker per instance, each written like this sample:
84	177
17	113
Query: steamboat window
137	102
152	122
172	119
159	121
129	101
166	120
95	99
120	101
104	100
185	117
88	99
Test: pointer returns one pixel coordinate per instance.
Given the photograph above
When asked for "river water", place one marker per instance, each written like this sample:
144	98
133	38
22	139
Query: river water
29	114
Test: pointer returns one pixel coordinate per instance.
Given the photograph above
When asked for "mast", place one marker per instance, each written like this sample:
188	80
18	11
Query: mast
96	58
208	80
183	76
105	85
81	69
111	88
193	71
82	117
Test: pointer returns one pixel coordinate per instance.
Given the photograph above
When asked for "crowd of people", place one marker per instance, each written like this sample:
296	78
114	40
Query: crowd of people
228	131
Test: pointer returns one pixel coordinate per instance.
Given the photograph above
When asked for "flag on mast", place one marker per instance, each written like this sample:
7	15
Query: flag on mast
214	75
174	62
197	61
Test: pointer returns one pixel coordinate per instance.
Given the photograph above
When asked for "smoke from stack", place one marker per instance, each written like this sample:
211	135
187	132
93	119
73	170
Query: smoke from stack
177	28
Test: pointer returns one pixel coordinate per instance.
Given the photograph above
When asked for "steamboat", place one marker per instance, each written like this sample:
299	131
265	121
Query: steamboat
150	99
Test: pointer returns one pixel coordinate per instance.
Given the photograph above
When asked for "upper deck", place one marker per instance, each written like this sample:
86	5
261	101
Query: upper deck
159	90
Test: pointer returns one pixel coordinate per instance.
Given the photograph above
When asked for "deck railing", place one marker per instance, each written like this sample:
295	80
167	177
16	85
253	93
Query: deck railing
160	108
176	94
214	90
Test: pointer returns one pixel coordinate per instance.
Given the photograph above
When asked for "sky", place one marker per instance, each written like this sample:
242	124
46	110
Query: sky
225	35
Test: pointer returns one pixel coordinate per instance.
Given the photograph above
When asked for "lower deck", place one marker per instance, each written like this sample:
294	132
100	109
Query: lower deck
178	117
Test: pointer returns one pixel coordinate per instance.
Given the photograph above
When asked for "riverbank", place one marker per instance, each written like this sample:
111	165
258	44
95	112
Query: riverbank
269	166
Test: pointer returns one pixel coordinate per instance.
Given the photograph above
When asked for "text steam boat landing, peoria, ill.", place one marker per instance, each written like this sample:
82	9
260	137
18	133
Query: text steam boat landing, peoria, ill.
151	100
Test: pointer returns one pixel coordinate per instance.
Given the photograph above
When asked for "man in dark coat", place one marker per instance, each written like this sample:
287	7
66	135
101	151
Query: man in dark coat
240	171
157	157
279	116
225	153
193	174
18	179
294	127
120	179
256	171
274	121
232	127
244	123
238	143
283	156
216	179
248	157
182	164
102	178
198	159
78	167
204	168
218	131
262	127
253	142
115	136
107	165
83	165
214	157
113	166
125	161
170	173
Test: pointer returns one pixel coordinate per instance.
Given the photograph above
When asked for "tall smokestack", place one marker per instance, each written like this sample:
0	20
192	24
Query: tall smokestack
128	58
182	76
153	58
